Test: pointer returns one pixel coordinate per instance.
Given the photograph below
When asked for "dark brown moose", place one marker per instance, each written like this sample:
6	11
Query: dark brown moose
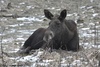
60	34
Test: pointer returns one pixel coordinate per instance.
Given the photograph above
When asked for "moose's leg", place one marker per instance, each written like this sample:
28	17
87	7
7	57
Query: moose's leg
33	45
26	45
25	51
38	39
35	36
33	42
73	44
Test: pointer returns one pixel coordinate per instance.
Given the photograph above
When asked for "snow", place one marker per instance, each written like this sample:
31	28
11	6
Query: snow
82	7
95	14
29	7
27	58
20	39
46	61
64	65
63	60
43	64
2	1
77	62
69	14
30	58
15	25
90	7
26	31
91	1
22	3
8	40
85	29
28	19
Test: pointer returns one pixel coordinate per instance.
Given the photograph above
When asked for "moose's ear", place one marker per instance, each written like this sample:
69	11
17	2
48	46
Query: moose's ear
48	14
63	14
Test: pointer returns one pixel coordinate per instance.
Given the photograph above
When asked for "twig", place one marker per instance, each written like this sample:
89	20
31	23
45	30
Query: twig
95	33
12	16
99	64
88	59
2	48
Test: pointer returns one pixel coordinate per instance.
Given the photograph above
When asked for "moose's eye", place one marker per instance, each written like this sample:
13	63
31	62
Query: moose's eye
49	23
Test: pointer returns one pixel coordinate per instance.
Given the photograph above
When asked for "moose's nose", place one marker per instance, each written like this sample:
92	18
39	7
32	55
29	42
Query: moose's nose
48	36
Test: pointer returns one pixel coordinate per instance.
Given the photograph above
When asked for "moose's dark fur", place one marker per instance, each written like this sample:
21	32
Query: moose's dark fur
61	33
35	41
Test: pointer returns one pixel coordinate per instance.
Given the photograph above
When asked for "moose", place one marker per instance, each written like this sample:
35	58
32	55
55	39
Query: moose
60	34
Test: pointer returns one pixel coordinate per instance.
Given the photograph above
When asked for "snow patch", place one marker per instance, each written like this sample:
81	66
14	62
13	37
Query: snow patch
30	58
94	15
29	19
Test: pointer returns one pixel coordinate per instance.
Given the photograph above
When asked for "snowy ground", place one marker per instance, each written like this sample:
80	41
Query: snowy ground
19	20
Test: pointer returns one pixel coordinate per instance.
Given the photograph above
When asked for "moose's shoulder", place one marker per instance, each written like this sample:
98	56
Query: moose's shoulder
71	24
